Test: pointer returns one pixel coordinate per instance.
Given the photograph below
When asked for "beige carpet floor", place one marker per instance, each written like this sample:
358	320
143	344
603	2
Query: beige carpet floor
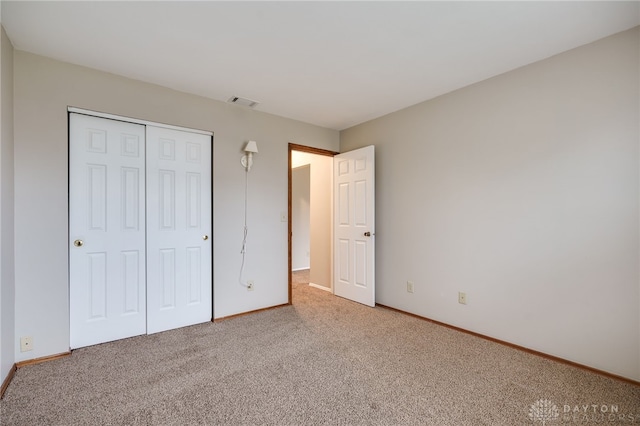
322	361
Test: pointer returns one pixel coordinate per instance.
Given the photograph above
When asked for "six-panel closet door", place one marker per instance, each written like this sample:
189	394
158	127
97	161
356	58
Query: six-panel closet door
140	229
107	294
178	229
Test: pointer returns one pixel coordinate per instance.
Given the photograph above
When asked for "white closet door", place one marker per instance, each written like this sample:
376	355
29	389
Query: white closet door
178	229
106	230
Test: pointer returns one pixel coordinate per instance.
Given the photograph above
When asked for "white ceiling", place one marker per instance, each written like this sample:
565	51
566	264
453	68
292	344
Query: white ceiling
333	64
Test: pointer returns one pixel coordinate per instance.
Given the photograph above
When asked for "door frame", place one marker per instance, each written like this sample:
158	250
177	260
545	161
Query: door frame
309	150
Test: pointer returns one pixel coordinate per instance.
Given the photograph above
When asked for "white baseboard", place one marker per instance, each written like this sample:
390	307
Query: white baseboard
304	268
321	287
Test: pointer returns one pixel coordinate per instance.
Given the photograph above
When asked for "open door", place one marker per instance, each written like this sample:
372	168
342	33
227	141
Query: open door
354	225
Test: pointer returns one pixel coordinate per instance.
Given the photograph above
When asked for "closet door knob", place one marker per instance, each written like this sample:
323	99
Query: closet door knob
205	237
78	243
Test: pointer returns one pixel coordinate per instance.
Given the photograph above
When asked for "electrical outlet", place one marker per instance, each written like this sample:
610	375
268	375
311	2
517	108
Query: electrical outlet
462	298
409	286
249	285
26	343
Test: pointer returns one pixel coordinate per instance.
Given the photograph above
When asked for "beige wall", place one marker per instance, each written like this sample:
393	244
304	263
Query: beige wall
321	214
300	217
7	281
43	90
522	191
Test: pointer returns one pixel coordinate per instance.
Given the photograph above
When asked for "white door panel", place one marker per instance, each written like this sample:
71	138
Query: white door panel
178	229
107	222
354	189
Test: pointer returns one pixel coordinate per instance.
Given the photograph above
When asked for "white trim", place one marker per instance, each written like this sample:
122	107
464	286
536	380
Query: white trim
321	287
304	268
136	120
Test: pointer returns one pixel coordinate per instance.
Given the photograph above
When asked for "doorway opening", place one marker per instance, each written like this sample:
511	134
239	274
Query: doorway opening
310	213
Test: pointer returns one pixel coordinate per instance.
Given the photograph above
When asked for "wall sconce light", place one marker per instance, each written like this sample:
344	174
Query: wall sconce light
247	159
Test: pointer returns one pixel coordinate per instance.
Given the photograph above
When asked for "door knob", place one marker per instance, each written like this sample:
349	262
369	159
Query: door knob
367	234
78	243
205	237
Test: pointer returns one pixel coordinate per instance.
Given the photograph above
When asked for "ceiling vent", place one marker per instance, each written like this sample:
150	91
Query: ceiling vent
242	101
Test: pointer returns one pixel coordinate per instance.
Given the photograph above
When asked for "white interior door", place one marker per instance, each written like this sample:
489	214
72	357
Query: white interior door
106	229
179	266
354	225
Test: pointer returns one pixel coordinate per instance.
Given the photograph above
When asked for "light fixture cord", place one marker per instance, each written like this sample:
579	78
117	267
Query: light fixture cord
243	251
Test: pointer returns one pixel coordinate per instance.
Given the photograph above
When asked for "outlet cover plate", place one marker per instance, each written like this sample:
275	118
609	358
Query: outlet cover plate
410	287
26	344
